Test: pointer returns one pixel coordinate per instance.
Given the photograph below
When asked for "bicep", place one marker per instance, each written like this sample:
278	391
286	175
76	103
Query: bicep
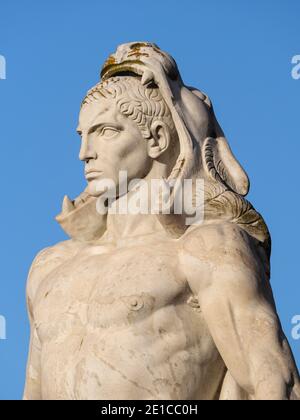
242	322
45	262
238	306
32	389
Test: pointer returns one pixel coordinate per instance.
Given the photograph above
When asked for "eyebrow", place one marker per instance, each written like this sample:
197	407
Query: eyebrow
95	126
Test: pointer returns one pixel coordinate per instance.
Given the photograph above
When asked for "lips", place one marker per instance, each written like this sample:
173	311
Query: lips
92	174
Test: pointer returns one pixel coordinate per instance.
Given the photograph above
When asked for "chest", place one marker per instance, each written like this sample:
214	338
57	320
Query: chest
111	289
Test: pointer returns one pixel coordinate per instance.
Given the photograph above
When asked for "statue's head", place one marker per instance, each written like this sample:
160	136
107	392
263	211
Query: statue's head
126	126
142	119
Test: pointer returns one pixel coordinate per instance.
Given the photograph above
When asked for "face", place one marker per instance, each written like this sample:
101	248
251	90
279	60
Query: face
110	143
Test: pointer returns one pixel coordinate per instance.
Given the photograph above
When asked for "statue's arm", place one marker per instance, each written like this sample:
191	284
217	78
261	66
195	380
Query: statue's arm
225	271
32	389
45	262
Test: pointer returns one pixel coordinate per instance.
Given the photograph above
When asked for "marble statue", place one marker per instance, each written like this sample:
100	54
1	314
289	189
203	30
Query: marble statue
139	305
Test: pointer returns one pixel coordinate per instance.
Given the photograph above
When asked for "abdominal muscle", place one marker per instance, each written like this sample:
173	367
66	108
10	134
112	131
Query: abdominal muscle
160	357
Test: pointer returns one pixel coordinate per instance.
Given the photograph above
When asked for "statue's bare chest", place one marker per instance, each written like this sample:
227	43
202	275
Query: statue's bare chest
104	290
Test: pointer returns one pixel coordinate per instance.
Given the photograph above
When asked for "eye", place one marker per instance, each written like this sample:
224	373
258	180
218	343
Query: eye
109	132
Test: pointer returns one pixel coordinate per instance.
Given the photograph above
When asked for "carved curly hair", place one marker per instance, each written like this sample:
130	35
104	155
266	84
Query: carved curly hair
142	104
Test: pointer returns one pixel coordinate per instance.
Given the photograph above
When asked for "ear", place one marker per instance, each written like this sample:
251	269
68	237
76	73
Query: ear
222	165
160	139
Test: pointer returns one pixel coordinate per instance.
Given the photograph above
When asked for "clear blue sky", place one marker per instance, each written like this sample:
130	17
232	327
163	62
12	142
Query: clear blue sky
239	52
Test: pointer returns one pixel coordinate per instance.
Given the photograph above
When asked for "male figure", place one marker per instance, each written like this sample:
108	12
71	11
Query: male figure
141	306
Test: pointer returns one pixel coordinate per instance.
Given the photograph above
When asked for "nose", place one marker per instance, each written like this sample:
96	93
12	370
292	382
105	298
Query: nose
87	152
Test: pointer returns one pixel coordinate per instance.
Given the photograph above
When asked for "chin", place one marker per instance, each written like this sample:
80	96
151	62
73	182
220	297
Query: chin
93	188
98	186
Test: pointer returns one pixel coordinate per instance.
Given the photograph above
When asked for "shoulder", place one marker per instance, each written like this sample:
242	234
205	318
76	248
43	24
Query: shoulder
217	237
215	251
46	261
218	246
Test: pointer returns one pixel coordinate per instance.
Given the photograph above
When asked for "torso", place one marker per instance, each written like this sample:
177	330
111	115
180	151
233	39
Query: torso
117	323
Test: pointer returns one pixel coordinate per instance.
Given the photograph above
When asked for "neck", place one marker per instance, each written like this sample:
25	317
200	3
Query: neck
121	226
